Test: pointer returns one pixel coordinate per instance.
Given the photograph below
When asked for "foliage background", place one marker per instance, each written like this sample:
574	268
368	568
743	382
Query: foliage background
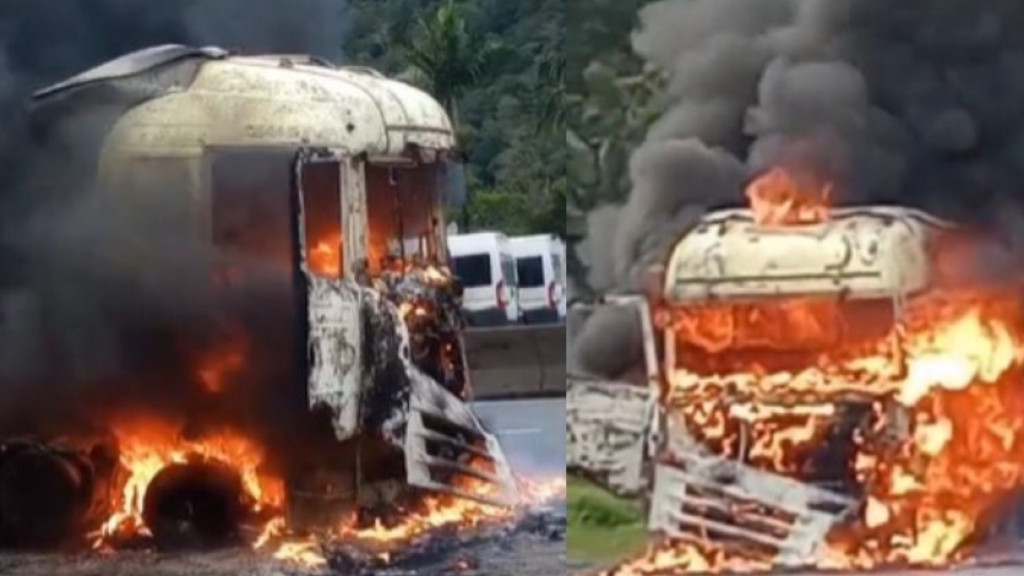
611	99
510	110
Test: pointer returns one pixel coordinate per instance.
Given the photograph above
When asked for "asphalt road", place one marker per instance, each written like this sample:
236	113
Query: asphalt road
532	433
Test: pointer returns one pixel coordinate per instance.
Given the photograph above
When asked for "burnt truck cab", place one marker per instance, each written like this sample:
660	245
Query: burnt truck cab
740	308
333	182
740	300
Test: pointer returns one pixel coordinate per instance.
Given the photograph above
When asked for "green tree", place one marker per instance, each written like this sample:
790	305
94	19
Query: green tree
611	100
552	115
508	100
448	56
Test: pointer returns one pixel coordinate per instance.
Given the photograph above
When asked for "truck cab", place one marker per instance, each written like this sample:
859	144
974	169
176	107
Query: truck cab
313	196
744	307
776	353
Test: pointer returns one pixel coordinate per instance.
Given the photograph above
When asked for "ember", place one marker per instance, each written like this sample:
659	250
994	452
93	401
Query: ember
443	511
429	301
305	553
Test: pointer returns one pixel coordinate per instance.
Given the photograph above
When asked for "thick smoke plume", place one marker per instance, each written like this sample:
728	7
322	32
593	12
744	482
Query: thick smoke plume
76	299
919	103
42	43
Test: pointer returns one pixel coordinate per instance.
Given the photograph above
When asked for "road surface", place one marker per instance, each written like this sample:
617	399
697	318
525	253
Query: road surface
533	437
532	433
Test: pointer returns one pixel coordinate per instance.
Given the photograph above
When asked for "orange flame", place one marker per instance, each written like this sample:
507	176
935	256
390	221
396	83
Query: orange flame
148	445
442	510
325	256
215	370
434	512
306	553
779	198
954	363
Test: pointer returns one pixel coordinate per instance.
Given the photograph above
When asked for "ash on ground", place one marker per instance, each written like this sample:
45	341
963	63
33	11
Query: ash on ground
533	545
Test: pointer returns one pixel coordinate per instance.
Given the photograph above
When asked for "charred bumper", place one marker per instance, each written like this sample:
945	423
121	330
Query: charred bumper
744	509
377	389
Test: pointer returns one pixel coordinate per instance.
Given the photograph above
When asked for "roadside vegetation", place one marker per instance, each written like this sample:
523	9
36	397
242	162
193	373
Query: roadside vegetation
611	100
601	527
499	68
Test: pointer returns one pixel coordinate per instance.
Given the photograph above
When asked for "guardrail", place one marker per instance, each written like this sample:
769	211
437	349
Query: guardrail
517	361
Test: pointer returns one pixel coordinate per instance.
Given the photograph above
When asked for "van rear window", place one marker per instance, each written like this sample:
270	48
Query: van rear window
530	271
473	270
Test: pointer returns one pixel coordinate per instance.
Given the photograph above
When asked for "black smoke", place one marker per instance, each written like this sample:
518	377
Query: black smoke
42	43
77	299
918	103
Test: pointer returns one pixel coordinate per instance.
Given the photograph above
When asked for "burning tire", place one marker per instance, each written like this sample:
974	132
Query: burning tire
195	505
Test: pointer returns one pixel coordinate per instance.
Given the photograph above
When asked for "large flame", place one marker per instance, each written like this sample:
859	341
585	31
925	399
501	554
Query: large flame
434	512
780	198
954	363
933	392
148	445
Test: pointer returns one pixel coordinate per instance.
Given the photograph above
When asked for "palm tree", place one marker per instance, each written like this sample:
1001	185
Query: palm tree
550	71
448	55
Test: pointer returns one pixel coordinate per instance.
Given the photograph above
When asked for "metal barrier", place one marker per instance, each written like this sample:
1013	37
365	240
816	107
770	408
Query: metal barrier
510	361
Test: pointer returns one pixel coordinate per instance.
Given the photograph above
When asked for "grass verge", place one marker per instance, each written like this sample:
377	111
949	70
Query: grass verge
601	526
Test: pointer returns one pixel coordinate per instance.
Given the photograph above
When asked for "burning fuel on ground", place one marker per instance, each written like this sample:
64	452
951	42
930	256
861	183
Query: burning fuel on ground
155	483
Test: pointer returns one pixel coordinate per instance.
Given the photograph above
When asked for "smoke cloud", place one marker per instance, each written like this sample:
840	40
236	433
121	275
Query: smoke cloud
77	296
42	43
918	103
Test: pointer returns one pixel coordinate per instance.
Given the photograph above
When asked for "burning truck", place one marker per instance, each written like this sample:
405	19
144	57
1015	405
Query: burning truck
830	387
310	200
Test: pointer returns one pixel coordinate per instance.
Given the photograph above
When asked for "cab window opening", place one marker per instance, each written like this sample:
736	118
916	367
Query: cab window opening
404	225
321	200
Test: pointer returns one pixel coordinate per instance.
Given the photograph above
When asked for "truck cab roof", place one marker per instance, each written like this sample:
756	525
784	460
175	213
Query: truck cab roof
862	252
191	98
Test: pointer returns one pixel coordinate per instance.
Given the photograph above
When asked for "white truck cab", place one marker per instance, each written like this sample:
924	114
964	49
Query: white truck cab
484	264
320	188
861	259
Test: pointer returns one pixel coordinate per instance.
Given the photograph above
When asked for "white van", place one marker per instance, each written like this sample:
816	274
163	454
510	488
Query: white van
484	264
540	270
